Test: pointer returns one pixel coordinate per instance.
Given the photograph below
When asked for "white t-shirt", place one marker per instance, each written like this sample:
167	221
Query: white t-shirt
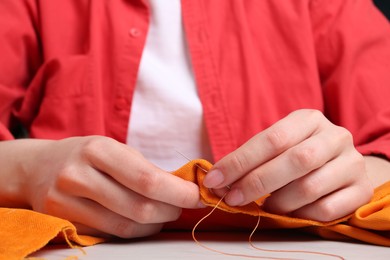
166	116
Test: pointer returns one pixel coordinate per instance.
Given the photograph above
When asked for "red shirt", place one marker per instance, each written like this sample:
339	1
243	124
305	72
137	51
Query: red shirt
69	67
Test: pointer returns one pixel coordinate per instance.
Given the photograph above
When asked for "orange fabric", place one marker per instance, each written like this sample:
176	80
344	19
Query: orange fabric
370	223
23	232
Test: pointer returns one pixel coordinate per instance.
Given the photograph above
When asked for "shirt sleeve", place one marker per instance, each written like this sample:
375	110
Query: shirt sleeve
352	41
19	58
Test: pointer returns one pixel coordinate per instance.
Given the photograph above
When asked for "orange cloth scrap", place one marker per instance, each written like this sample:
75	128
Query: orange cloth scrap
23	232
370	223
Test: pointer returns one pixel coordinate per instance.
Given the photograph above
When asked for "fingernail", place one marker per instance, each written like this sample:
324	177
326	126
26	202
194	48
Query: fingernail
213	178
234	198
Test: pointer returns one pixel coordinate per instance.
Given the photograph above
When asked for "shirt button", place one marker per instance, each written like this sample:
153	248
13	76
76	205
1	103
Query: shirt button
135	32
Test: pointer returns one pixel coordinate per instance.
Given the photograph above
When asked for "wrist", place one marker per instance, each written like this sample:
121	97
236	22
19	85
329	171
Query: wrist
17	158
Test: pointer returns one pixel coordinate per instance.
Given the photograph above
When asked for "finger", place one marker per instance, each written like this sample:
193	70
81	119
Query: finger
333	176
220	192
93	215
136	173
264	146
336	205
294	163
112	195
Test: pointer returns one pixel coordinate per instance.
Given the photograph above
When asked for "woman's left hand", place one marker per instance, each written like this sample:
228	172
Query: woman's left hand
309	166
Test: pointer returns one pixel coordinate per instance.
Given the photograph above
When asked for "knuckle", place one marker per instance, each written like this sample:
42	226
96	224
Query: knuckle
326	211
309	189
358	160
49	204
237	162
343	134
277	138
309	114
314	114
66	175
93	146
144	211
257	184
148	182
303	158
70	178
129	229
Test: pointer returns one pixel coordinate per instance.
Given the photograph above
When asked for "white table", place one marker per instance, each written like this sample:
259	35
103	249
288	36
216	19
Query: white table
171	245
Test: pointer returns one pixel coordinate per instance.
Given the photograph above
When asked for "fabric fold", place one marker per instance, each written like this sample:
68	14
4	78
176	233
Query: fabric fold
22	232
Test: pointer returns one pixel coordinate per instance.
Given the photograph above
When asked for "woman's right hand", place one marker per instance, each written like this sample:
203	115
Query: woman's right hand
102	186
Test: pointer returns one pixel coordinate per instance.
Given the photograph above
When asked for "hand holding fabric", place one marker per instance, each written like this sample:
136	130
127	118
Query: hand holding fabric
308	165
102	186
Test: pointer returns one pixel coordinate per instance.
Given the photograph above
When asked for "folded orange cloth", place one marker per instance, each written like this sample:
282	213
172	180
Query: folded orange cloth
23	232
370	223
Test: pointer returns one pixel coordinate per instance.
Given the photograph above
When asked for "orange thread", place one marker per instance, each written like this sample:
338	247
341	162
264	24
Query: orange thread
286	251
250	236
71	246
221	252
252	244
71	257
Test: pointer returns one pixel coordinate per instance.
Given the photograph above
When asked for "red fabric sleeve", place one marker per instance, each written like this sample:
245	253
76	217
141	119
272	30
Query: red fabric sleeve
19	58
353	48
